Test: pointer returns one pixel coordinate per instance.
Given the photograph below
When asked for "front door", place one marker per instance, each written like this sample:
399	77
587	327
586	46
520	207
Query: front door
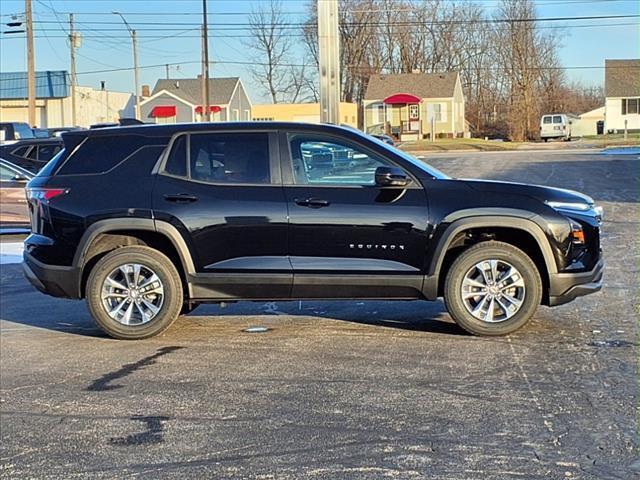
223	191
347	236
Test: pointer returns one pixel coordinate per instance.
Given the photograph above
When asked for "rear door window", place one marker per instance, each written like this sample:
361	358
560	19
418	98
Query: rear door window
546	120
230	158
177	161
557	119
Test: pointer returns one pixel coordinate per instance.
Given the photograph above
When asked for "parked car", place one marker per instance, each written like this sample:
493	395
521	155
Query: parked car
40	132
384	138
147	222
32	154
58	131
558	125
14	210
11	132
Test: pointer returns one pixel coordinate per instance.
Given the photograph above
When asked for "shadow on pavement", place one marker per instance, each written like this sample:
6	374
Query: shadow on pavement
104	383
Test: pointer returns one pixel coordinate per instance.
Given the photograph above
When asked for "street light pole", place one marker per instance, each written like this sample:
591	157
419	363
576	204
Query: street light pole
72	47
31	68
329	61
134	41
206	110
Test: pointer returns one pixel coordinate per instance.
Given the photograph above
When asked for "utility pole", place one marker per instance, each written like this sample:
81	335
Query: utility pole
72	47
205	51
329	61
134	42
31	68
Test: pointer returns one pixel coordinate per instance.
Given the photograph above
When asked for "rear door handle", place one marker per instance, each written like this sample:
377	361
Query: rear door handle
180	198
312	202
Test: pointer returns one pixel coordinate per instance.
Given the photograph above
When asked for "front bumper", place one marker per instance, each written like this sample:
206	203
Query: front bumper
565	287
53	280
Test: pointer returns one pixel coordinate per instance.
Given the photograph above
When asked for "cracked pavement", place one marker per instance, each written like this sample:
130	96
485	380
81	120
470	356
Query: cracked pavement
345	390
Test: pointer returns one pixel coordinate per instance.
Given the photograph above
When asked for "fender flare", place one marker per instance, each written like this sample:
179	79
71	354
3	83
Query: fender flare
143	224
503	218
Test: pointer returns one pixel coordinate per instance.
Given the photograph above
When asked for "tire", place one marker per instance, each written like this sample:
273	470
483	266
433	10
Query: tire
166	304
545	140
464	276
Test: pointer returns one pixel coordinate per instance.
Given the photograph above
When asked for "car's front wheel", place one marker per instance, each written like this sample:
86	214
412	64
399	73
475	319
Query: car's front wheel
134	293
492	288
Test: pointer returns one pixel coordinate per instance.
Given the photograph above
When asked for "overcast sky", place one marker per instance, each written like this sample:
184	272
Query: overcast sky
584	46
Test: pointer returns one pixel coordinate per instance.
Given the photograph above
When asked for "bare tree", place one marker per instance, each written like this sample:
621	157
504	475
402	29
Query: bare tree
272	44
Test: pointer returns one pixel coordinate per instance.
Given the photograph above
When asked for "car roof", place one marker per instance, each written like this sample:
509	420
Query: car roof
32	141
153	130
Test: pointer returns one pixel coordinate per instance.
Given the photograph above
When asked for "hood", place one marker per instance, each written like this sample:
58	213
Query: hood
539	192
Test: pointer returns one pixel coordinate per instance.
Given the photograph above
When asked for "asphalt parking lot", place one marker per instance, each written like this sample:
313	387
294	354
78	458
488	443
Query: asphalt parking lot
345	390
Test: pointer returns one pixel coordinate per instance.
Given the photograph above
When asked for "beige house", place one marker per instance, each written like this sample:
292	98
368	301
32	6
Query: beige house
412	106
303	112
587	123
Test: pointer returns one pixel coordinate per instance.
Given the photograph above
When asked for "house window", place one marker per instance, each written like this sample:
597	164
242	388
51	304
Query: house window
247	115
630	106
414	112
378	113
437	112
236	115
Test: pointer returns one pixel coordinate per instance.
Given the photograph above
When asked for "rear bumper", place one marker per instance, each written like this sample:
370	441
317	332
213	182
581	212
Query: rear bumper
53	280
565	287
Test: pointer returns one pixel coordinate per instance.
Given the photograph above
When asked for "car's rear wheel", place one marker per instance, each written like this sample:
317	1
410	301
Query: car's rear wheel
134	293
492	288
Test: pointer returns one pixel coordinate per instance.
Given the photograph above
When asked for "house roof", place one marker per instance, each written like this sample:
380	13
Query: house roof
190	89
423	85
622	78
49	84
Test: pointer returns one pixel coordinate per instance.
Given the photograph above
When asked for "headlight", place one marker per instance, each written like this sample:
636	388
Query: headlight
573	206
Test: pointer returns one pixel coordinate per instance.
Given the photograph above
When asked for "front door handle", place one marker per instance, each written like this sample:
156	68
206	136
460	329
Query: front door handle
180	198
312	202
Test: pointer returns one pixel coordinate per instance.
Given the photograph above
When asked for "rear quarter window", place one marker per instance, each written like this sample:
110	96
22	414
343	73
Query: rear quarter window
103	153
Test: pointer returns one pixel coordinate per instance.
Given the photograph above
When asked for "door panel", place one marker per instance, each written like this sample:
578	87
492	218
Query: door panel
347	236
231	209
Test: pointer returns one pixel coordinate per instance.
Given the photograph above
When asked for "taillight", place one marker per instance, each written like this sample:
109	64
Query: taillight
45	195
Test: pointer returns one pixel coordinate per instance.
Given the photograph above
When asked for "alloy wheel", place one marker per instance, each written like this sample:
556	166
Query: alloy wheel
493	291
132	294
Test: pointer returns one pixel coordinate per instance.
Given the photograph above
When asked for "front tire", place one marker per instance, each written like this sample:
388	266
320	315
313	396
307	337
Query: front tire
134	293
492	288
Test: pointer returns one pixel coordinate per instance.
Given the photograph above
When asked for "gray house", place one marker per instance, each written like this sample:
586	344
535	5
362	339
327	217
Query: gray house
180	100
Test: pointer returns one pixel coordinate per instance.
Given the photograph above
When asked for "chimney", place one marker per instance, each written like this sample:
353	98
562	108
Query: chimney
145	91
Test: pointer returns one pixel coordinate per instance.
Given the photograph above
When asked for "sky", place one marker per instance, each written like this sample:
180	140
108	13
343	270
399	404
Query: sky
586	46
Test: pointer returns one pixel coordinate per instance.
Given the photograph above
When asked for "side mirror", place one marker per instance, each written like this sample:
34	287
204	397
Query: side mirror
391	177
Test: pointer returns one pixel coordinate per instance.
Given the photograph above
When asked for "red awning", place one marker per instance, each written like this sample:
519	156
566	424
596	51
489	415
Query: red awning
163	111
401	98
212	109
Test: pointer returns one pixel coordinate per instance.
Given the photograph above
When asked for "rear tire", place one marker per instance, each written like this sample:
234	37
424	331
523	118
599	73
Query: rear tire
134	293
492	288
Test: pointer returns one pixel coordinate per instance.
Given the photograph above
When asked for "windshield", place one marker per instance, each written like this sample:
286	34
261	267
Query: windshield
434	172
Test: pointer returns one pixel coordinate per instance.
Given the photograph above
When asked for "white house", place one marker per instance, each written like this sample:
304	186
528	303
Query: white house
622	92
180	100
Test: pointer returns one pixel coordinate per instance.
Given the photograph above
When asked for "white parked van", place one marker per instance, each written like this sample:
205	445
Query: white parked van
557	125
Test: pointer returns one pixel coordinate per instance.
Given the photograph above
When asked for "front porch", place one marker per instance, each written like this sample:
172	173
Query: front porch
398	116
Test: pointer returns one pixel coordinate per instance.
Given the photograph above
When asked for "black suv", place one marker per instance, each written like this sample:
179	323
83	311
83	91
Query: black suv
146	222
